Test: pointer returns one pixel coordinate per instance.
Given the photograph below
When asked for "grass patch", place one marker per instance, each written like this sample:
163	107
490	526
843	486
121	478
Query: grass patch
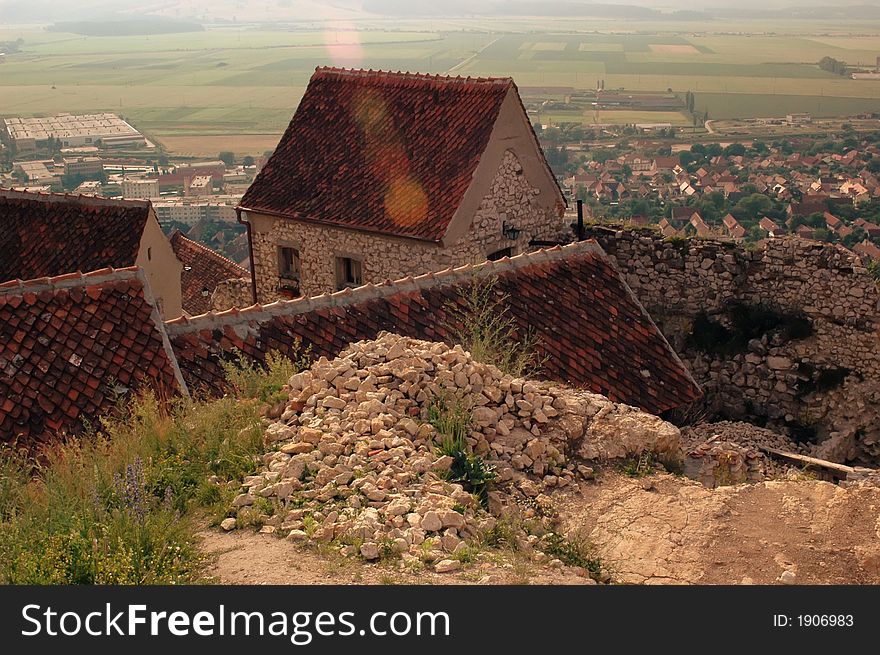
120	505
248	379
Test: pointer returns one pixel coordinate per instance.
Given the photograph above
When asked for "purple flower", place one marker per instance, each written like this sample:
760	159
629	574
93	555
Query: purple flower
130	490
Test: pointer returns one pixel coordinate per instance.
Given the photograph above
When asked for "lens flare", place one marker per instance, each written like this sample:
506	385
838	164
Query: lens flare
406	203
343	44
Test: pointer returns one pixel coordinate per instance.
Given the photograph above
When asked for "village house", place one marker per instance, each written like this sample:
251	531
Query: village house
203	271
384	175
47	235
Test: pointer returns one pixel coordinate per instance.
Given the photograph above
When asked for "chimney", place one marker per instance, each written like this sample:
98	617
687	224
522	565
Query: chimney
580	232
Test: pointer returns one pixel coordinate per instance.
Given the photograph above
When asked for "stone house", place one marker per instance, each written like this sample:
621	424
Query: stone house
384	175
45	235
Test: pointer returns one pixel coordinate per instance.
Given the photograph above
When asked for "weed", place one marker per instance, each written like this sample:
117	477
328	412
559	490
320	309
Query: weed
503	534
114	506
466	555
639	467
386	549
572	551
248	379
452	419
451	416
483	326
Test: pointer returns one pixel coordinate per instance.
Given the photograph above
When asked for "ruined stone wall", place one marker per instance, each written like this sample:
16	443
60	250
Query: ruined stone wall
823	385
511	199
235	292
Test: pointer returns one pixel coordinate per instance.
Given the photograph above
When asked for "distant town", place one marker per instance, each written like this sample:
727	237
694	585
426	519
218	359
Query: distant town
820	186
103	155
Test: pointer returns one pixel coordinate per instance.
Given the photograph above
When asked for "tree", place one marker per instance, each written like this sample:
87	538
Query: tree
227	158
735	150
247	161
753	206
832	65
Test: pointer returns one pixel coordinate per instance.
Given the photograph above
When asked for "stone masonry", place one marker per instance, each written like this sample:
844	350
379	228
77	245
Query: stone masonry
511	200
823	387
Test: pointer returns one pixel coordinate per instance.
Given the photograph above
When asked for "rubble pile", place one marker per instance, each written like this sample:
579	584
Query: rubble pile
730	452
355	458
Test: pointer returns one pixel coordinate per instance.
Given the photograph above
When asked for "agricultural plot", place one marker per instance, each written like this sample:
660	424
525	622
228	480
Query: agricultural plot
247	81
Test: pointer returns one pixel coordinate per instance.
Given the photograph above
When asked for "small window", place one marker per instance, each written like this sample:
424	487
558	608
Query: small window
149	254
349	272
288	263
499	254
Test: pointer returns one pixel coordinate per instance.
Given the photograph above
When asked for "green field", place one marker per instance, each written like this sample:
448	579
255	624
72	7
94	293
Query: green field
247	80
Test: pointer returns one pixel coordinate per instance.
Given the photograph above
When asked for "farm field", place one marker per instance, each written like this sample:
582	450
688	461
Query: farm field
243	83
209	145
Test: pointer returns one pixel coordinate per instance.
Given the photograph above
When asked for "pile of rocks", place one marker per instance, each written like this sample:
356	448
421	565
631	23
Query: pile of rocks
730	452
356	460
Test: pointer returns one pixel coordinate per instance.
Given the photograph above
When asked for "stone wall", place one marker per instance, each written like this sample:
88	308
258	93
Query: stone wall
821	384
511	199
235	292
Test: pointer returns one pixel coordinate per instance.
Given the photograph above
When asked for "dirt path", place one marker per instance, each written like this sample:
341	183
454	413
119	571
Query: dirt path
665	529
244	557
655	530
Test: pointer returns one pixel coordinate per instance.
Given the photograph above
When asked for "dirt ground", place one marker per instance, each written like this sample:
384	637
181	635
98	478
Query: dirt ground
660	529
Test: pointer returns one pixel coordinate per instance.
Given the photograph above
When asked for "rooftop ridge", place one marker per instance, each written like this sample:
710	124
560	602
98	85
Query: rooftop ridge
203	247
69	280
385	289
391	77
77	198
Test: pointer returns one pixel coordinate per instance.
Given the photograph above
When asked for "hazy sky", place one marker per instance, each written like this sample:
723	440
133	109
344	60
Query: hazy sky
211	10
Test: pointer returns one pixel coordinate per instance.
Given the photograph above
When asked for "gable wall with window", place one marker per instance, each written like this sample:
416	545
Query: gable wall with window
512	199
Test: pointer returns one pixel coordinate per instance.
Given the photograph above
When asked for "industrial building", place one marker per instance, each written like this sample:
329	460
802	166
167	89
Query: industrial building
106	130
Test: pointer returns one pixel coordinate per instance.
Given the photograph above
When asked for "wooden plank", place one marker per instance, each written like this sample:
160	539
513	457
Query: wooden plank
813	461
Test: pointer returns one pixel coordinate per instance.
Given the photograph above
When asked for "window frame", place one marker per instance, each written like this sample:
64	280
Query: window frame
346	265
296	262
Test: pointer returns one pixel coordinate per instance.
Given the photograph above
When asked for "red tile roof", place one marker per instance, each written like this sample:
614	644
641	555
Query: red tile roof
46	234
70	344
203	270
592	330
379	151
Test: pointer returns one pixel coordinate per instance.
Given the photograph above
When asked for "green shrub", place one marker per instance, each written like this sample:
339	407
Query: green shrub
452	419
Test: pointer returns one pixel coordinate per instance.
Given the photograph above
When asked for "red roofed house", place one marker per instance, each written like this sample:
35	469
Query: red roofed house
733	227
383	175
72	345
44	235
868	250
203	271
